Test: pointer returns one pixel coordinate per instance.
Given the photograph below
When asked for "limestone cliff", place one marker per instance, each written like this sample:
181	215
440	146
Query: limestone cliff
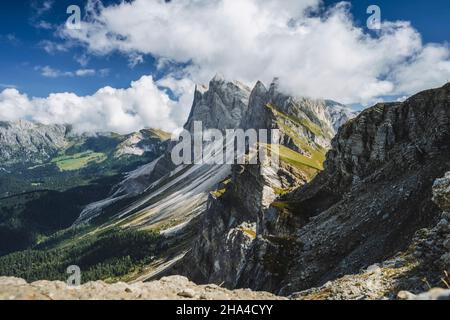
372	197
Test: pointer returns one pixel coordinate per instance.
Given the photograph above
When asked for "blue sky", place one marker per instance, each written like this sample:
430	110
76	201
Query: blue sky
430	18
326	52
21	44
21	52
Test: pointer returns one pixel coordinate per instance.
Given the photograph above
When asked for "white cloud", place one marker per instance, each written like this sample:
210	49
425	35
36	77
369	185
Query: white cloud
44	7
50	72
82	59
42	24
52	47
134	59
109	109
84	72
321	55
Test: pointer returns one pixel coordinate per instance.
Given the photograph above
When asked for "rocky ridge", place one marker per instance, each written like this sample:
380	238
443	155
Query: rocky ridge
374	194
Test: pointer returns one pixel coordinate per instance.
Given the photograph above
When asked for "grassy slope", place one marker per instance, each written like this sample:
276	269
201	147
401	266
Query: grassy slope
310	165
79	160
304	122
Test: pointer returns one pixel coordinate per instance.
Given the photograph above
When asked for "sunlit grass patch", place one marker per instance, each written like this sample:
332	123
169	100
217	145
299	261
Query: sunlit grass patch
78	161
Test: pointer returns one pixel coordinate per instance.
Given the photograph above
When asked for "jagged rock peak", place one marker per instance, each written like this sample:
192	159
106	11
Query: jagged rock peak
372	197
230	104
219	77
259	88
222	105
219	81
275	84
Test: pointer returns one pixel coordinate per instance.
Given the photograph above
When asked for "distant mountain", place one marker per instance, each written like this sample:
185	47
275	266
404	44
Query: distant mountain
48	174
339	114
25	142
28	142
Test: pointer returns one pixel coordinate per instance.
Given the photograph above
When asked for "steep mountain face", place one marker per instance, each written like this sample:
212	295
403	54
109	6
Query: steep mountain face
161	193
230	224
427	257
306	127
170	200
173	201
373	195
221	105
27	142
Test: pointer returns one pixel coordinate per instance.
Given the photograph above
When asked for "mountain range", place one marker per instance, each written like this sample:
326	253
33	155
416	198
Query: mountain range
352	190
49	172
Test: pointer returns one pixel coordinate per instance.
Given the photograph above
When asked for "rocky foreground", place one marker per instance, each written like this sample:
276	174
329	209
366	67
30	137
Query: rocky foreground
169	288
180	288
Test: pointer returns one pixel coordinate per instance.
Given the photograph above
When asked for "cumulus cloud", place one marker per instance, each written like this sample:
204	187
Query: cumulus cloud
315	51
322	54
141	105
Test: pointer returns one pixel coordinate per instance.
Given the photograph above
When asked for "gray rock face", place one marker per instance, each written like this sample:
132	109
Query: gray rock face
27	142
228	249
316	119
441	196
374	194
376	189
441	192
221	106
228	229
